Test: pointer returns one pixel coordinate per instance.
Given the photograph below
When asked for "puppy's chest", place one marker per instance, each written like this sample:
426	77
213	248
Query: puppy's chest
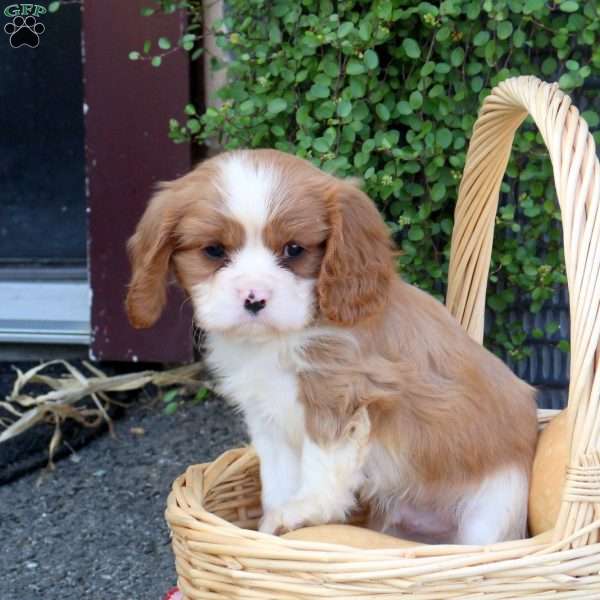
260	379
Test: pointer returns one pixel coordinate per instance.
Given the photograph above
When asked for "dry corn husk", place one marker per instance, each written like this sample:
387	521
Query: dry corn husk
62	400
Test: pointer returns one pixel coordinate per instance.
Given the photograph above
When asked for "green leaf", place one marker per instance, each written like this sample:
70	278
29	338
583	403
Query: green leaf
481	38
276	106
201	394
436	90
53	6
275	34
189	109
318	90
156	61
569	6
247	107
415	100
592	118
354	67
549	66
345	28
438	191
533	5
321	144
164	43
371	59
504	30
457	56
344	108
411	48
134	55
357	87
427	68
193	125
416	233
403	108
171	408
567	81
145	12
443	137
382	112
443	34
170	395
518	38
477	84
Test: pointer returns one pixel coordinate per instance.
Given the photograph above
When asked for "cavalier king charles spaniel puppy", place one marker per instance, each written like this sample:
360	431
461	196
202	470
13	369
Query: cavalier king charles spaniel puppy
356	387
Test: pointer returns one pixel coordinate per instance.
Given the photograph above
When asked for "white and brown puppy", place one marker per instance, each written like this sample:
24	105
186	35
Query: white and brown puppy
352	382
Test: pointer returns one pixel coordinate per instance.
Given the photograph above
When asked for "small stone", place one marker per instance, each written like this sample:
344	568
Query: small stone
31	564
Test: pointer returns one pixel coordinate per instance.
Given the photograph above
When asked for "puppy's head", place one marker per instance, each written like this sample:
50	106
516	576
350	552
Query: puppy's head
263	242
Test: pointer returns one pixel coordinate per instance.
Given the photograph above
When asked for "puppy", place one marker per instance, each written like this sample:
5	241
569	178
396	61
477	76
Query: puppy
354	385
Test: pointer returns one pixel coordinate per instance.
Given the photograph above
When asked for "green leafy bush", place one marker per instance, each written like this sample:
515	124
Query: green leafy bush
389	91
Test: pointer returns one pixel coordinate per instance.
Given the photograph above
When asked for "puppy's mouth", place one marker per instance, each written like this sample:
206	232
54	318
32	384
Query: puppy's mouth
245	326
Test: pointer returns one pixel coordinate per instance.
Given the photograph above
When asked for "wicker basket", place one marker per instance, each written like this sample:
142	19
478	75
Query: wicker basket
213	509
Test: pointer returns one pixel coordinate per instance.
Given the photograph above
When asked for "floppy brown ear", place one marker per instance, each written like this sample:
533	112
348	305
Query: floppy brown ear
150	249
358	265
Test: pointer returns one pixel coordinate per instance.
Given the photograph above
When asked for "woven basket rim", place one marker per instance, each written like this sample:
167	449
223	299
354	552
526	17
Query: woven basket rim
542	539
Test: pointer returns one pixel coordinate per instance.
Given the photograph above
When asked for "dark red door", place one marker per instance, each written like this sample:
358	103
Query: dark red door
127	108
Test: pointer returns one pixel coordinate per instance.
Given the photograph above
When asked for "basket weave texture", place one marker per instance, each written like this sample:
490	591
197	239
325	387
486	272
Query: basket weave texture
213	509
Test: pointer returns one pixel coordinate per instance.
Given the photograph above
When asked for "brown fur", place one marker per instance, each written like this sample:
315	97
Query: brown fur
438	402
433	394
357	267
182	218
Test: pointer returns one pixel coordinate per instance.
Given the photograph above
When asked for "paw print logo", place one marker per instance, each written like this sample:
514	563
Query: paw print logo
24	31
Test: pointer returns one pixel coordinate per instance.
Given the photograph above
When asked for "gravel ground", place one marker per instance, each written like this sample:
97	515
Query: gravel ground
94	528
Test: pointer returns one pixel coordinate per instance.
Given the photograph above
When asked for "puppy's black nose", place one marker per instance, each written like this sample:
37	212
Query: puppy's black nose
254	306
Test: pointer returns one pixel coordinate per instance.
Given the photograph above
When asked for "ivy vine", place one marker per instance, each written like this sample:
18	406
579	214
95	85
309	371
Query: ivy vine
388	91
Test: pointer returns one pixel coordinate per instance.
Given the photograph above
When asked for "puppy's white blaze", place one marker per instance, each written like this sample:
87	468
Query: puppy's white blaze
257	261
497	511
260	379
249	190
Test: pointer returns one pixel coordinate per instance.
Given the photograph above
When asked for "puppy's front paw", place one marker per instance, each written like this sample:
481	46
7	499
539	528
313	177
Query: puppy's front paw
290	516
272	523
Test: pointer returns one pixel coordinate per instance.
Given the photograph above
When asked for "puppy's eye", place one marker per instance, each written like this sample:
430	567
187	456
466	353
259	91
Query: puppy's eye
216	251
292	250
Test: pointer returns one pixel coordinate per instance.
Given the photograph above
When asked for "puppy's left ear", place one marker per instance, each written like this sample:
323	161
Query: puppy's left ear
358	265
150	249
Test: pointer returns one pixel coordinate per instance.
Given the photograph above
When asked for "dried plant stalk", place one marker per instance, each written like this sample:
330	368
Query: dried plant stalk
60	402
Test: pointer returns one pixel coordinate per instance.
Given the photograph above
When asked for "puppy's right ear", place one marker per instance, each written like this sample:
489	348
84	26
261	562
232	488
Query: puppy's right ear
150	250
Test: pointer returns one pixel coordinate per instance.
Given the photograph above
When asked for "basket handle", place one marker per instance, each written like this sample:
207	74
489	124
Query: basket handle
577	180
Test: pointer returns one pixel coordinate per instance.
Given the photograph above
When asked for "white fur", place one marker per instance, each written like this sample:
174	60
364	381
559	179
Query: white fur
497	510
329	478
258	377
249	190
251	195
